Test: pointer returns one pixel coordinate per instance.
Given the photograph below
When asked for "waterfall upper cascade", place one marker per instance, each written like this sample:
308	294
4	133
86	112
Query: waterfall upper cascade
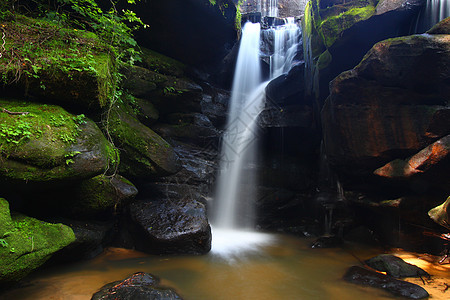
233	215
434	12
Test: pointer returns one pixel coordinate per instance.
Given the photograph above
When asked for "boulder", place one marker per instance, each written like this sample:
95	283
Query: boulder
48	144
286	90
98	195
384	108
396	287
395	266
337	34
27	243
170	226
434	156
442	27
144	153
60	65
441	214
138	286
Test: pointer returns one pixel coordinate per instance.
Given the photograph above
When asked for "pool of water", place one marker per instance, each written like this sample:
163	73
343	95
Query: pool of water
287	268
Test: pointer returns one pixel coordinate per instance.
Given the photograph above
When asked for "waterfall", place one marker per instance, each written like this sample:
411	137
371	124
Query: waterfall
232	211
285	47
433	12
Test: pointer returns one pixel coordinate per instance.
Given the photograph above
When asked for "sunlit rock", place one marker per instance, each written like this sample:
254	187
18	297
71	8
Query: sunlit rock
441	214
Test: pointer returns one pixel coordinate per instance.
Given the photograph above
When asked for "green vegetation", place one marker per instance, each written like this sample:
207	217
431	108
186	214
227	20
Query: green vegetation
26	243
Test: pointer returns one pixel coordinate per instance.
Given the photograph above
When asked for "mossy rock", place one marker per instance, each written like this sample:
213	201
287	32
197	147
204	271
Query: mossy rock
162	64
27	243
100	194
442	27
332	26
57	64
47	143
144	154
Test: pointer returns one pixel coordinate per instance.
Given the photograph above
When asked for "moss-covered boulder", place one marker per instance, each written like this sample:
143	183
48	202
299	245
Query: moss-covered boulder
26	243
45	143
100	194
144	154
57	64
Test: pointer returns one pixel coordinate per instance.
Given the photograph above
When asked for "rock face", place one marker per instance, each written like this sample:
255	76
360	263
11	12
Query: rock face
384	109
337	34
48	144
26	243
434	156
165	227
395	266
194	32
138	286
396	287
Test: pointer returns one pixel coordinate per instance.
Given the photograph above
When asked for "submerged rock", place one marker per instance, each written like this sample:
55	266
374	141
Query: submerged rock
138	286
327	242
27	243
395	266
396	287
170	227
441	214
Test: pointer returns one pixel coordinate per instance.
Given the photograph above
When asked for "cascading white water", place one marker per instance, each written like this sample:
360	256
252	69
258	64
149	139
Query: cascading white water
285	47
233	216
434	12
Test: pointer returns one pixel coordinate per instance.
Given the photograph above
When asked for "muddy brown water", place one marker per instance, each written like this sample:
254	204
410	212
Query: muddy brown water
287	269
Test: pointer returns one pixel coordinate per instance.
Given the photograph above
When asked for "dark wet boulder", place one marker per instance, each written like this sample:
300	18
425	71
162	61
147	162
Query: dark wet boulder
395	266
285	89
441	214
138	286
170	226
90	239
48	144
361	276
27	243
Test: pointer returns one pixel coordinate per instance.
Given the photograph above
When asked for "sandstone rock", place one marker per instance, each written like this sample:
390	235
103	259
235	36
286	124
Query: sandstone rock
435	155
441	214
442	27
383	109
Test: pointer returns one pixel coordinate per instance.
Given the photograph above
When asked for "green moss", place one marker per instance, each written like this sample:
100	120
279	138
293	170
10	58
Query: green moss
58	63
324	60
28	243
332	26
159	63
52	122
